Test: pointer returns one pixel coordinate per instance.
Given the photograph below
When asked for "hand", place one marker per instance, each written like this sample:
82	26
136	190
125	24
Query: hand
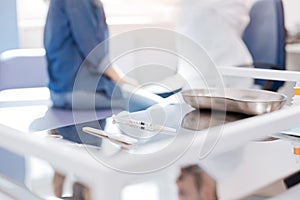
129	80
119	77
114	74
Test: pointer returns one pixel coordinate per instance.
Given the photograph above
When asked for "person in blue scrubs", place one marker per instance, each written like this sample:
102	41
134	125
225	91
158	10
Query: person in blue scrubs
73	29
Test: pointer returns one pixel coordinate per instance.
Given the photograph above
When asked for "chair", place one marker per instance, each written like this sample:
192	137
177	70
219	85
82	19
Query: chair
13	65
265	38
17	62
25	104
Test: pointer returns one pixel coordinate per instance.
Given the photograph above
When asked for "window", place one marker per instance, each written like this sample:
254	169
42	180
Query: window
31	16
31	20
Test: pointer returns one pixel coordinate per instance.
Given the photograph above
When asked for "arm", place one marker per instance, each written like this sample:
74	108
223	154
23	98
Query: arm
114	74
117	76
89	29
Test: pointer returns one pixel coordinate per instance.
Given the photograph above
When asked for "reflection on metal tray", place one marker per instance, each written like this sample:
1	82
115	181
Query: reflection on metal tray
247	101
198	120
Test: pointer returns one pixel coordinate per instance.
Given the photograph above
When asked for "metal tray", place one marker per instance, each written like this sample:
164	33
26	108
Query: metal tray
247	101
198	120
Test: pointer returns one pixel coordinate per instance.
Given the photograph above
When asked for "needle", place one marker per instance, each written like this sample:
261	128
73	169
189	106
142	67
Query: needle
145	125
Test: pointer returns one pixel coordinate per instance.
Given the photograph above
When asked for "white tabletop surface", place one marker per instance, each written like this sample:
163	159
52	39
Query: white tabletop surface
239	172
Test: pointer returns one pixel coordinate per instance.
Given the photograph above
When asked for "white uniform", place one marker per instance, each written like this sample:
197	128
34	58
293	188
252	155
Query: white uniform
218	26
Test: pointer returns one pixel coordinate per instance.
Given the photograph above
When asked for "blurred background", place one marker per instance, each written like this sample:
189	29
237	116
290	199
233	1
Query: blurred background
24	19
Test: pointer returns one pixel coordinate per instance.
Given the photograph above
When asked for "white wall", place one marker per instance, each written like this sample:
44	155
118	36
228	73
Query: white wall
292	15
31	21
8	23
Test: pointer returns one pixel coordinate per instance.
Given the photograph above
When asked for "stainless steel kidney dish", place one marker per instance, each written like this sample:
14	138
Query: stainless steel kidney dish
198	120
247	101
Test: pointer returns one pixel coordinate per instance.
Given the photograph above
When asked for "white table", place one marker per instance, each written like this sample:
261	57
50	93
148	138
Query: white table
252	166
232	169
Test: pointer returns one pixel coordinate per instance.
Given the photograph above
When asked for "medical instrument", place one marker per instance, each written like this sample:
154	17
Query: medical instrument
147	126
115	137
246	101
198	120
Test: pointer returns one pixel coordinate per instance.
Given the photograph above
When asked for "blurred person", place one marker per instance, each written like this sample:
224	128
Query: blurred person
195	184
76	38
217	26
74	29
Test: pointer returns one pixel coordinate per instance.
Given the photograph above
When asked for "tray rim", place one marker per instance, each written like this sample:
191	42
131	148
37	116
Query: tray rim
283	96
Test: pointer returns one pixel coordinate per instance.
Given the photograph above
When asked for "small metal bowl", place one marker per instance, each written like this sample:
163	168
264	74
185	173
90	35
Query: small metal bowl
246	101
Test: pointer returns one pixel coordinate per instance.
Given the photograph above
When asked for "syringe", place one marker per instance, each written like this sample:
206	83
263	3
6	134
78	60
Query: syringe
145	125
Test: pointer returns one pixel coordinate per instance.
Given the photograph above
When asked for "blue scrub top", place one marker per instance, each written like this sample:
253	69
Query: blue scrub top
73	29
